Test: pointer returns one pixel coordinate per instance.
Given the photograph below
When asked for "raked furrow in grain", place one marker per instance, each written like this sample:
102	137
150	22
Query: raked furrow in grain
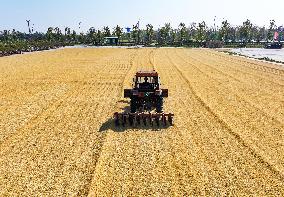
56	153
57	136
256	94
259	128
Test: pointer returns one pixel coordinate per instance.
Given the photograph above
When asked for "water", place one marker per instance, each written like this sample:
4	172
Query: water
275	54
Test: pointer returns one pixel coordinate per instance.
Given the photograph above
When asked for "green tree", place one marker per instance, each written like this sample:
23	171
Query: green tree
49	33
168	29
99	37
57	31
67	31
164	34
271	30
106	31
118	31
74	36
224	31
91	36
246	31
135	34
149	34
161	36
201	32
257	33
192	30
182	32
173	36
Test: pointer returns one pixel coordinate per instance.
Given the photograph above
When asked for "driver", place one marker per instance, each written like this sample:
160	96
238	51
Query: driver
146	84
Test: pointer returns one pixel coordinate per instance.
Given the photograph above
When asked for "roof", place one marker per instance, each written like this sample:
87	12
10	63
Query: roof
111	37
147	74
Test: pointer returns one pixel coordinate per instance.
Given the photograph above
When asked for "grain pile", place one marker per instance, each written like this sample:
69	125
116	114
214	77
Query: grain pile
57	137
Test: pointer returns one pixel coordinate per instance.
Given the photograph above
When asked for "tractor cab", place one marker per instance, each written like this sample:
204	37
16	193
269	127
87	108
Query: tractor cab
145	80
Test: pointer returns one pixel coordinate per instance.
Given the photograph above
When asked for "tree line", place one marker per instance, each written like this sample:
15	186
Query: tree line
193	35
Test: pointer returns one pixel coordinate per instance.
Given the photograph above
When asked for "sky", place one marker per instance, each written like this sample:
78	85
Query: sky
99	13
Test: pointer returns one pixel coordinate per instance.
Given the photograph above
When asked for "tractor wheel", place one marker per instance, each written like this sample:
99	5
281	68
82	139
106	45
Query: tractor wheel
159	105
138	120
123	121
131	120
157	119
133	106
171	120
117	122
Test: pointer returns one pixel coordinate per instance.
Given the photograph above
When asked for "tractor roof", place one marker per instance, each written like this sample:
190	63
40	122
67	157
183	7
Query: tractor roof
147	74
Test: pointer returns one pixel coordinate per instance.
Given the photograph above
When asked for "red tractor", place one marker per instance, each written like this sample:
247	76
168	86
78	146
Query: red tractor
145	96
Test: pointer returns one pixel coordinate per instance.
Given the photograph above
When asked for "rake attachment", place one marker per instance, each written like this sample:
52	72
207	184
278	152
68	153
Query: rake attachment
134	119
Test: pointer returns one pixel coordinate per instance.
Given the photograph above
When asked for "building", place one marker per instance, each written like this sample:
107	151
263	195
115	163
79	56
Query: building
112	40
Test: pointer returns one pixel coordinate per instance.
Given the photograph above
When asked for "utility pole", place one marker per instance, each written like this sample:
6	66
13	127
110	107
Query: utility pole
28	21
215	33
80	26
138	32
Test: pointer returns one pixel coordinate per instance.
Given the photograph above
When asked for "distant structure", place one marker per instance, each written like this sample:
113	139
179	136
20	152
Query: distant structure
128	29
111	40
33	28
276	44
28	21
79	25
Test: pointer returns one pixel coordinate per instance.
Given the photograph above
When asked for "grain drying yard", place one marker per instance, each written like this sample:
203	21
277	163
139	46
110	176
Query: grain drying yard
57	136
